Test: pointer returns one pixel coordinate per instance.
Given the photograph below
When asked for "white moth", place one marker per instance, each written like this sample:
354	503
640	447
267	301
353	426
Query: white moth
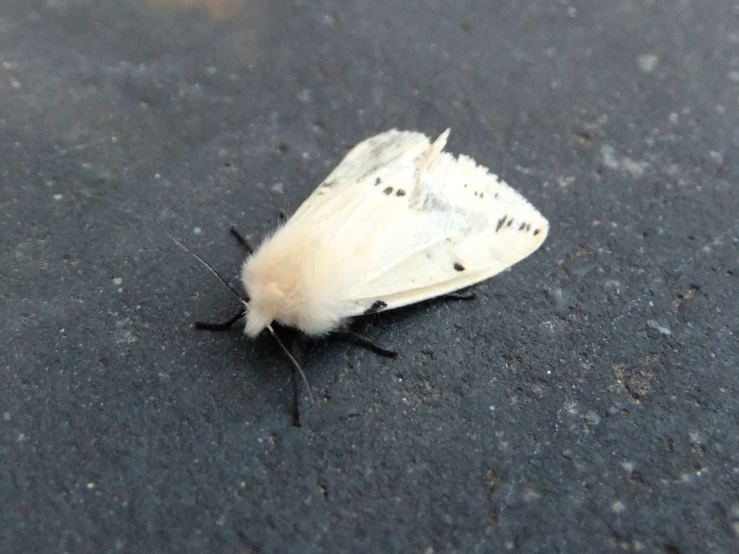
397	222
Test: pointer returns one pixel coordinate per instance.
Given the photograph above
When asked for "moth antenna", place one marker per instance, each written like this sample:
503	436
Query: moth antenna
295	363
202	261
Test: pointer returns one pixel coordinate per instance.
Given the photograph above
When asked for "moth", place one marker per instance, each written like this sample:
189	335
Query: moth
397	222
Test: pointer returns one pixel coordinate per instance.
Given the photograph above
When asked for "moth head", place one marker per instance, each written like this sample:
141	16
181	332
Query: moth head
264	305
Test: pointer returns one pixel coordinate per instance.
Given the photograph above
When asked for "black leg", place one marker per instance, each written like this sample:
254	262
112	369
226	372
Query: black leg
281	217
203	326
458	296
242	241
367	343
296	399
297	354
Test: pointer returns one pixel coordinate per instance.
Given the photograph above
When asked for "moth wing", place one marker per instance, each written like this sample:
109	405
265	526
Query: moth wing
457	225
372	159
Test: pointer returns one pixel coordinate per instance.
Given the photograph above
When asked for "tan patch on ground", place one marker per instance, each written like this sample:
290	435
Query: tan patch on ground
218	10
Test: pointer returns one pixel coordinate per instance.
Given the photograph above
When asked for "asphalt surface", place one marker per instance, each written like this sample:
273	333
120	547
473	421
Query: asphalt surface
587	401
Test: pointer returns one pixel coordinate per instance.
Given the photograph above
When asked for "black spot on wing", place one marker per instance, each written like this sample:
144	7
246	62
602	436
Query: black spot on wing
521	227
537	231
458	267
388	191
377	305
378	181
501	221
400	192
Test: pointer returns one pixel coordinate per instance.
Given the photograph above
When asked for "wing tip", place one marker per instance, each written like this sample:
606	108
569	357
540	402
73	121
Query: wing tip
443	136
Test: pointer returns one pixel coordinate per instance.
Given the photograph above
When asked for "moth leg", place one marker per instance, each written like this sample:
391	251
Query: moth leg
296	398
459	296
225	326
292	343
242	241
367	343
295	377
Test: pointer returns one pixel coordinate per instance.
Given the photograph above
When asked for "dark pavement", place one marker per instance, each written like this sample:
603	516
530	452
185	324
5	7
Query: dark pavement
588	401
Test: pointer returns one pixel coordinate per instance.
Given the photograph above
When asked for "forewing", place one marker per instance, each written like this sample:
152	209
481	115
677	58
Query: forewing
399	221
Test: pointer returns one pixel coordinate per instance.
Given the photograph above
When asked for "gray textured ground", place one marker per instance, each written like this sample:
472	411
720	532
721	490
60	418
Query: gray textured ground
587	402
